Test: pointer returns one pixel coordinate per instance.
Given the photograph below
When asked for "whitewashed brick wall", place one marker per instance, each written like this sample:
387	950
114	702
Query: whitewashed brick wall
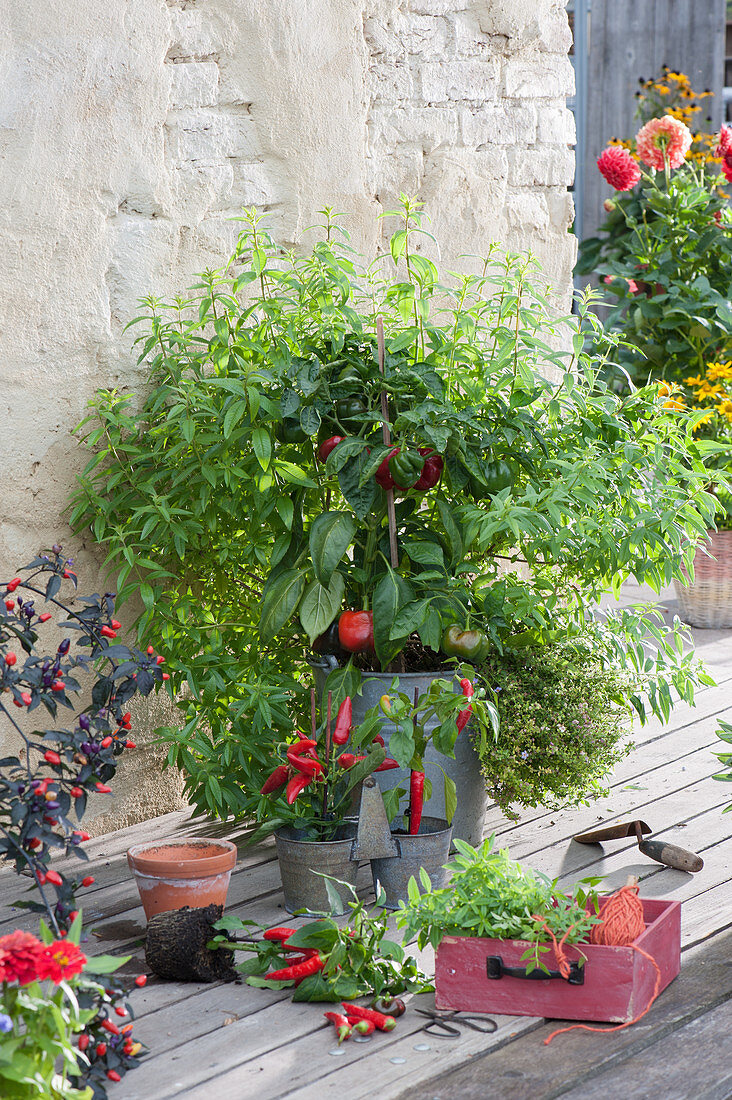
131	134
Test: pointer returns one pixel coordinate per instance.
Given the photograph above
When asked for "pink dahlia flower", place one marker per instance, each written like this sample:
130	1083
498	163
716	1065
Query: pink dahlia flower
725	142
618	168
667	135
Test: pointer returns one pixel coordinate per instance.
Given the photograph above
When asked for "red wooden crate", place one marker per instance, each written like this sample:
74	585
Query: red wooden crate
617	982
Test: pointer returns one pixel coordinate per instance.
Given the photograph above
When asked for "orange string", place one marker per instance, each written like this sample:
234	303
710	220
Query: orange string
621	922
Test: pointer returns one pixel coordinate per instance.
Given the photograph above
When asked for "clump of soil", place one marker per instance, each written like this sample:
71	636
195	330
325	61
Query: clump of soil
175	948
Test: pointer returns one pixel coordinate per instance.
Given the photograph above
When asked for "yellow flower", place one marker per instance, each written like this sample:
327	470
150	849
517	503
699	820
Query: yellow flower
725	408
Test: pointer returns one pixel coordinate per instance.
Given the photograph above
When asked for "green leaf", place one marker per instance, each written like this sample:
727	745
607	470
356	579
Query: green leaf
330	536
310	420
391	594
320	605
360	497
262	444
279	602
342	682
425	553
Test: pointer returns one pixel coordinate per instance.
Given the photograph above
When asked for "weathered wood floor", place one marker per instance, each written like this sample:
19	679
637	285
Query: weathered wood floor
235	1042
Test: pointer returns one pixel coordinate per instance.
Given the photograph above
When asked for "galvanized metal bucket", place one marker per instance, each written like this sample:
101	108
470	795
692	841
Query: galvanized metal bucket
429	848
463	769
300	860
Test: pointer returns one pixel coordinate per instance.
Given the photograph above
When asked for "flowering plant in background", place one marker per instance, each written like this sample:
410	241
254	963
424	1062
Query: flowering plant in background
43	797
62	1033
708	396
664	251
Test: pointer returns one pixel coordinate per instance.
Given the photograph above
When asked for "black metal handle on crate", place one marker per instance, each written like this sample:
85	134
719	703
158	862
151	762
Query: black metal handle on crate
496	969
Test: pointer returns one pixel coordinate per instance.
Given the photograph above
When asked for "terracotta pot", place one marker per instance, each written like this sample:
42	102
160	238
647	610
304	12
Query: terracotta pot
175	873
708	601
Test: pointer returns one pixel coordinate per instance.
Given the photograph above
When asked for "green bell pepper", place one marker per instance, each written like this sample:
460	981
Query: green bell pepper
471	645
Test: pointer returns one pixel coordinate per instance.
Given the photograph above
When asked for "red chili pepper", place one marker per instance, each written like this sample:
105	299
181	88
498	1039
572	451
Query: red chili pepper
307	765
113	1075
101	1050
130	744
34	842
58	685
464	715
88	881
296	786
277	779
111	1027
363	1027
12	585
416	801
278	935
10	604
54	878
344	721
388	765
297	972
341	1024
44	617
378	1019
103	788
83	1041
10	659
106	742
379	740
51	757
116	625
76	792
120	1010
141	980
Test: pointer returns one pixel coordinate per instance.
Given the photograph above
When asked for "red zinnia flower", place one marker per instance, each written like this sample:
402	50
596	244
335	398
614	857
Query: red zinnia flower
60	960
727	166
19	957
618	168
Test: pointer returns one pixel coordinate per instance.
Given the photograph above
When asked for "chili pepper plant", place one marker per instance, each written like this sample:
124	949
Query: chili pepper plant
324	960
43	796
289	485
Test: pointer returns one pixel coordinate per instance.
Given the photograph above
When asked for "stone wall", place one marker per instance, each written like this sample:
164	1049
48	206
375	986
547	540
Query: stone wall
132	132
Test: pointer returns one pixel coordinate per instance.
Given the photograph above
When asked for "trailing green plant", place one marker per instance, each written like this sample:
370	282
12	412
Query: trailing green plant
245	493
492	896
355	960
725	758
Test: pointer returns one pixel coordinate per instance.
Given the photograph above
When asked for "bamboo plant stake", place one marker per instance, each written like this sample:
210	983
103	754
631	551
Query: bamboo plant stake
390	512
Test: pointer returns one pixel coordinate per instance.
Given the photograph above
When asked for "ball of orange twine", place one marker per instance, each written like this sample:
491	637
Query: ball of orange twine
621	923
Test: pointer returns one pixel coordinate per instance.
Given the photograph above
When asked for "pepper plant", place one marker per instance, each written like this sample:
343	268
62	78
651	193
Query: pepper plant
283	484
43	799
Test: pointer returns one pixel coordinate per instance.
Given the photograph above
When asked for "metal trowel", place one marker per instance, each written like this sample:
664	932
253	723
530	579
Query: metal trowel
660	850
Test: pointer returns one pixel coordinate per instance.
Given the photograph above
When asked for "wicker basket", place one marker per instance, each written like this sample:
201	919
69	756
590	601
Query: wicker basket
708	601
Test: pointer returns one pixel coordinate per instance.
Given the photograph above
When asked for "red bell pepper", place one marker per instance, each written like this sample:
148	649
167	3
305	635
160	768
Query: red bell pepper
356	631
431	471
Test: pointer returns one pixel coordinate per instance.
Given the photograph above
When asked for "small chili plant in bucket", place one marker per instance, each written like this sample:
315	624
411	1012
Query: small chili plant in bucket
312	802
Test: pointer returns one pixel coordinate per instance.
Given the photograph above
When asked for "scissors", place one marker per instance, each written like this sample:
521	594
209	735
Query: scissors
441	1024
